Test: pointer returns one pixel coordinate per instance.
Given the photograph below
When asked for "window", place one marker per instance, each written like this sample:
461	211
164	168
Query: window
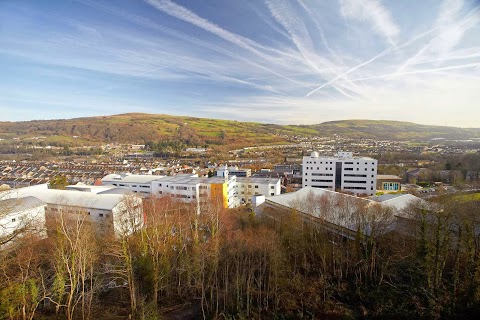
272	194
373	169
272	187
256	186
13	220
159	184
134	185
160	192
100	215
348	162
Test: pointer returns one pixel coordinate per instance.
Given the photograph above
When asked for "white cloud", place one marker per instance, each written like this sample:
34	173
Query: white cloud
373	13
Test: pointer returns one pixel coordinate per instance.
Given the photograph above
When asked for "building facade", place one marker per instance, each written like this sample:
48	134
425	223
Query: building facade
230	190
342	172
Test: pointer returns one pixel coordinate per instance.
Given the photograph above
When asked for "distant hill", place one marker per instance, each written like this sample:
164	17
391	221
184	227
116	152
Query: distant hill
394	130
140	128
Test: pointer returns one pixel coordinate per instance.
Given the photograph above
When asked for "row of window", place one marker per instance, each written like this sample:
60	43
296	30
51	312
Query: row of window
321	162
318	168
351	169
373	163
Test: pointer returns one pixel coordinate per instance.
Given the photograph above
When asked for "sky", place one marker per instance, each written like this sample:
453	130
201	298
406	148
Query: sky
271	61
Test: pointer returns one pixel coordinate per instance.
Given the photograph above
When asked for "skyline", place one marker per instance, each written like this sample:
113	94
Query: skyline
277	61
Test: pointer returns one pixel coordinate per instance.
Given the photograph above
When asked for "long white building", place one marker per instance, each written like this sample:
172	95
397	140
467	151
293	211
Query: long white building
231	190
114	213
341	172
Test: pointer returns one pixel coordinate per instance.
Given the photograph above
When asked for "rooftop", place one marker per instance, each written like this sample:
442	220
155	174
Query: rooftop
70	197
18	205
130	178
388	177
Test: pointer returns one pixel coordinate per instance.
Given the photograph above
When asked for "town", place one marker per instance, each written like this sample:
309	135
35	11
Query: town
121	190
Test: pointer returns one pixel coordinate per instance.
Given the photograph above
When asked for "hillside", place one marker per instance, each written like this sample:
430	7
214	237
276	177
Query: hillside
140	128
394	130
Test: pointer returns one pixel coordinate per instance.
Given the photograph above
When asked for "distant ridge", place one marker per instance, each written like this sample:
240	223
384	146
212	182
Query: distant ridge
142	127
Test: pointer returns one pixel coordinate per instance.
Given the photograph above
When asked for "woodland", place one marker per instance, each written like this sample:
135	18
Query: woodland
231	264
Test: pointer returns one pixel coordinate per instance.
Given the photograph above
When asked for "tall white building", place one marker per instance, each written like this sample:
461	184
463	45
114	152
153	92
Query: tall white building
341	172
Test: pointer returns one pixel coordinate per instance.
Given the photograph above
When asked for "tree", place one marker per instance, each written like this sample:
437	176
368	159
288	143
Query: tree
75	261
58	182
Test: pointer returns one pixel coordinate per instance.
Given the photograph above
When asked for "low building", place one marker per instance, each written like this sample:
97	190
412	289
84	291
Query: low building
111	213
235	171
231	190
340	213
137	183
389	183
248	187
18	216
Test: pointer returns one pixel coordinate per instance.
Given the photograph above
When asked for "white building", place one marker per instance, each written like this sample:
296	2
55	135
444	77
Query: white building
234	171
117	213
250	187
229	189
341	172
18	216
137	183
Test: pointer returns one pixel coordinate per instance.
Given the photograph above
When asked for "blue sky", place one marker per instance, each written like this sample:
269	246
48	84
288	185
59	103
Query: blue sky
275	61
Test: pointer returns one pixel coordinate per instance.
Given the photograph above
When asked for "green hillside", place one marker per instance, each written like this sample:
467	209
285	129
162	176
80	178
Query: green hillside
141	128
393	130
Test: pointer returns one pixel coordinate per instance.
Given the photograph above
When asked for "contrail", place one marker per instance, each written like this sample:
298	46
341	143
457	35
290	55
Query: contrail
381	54
384	52
397	74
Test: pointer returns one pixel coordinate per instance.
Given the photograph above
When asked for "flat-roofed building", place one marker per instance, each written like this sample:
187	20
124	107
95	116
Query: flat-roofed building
21	216
249	187
137	183
114	213
389	183
342	172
